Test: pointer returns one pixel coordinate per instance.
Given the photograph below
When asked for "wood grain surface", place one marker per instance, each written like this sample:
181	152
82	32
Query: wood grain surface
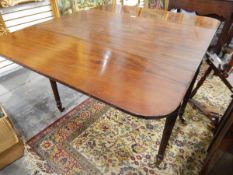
140	64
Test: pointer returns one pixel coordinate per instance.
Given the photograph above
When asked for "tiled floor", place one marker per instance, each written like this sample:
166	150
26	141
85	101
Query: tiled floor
28	99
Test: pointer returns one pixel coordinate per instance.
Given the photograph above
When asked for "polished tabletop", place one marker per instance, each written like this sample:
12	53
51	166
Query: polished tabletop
141	64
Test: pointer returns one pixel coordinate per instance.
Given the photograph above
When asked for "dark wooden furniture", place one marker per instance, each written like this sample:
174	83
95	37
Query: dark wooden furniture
221	9
230	34
222	141
56	95
110	57
216	64
224	72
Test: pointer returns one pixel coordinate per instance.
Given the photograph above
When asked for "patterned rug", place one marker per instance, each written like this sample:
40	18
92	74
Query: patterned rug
95	138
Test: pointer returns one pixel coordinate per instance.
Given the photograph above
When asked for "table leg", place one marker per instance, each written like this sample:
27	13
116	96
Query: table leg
56	95
171	119
201	81
169	124
187	96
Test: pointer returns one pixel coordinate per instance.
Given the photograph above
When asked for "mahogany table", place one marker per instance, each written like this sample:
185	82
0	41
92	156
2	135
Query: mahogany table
220	9
145	65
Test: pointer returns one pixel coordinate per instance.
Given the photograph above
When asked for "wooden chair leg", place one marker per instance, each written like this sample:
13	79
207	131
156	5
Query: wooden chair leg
201	81
223	36
230	36
56	95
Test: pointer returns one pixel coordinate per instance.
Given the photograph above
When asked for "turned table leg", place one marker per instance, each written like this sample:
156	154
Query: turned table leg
201	81
169	124
171	119
187	96
56	95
